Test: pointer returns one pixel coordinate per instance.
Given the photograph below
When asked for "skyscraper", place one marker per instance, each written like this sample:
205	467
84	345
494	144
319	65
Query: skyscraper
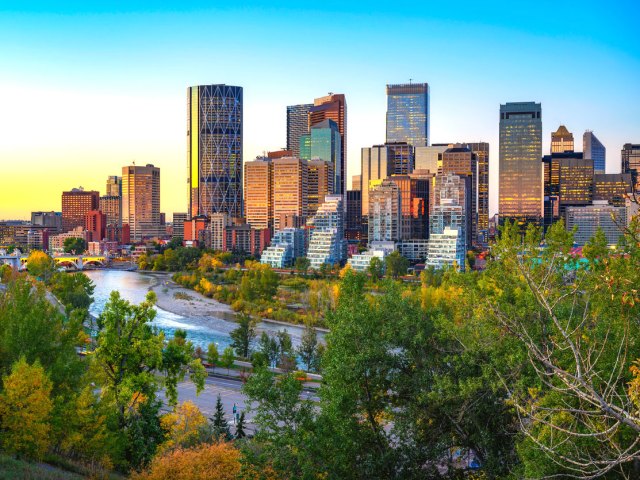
320	183
114	186
408	113
327	244
385	212
612	187
297	125
290	188
141	201
460	160
630	163
520	170
481	149
75	205
324	143
375	165
258	193
594	150
214	150
562	140
333	107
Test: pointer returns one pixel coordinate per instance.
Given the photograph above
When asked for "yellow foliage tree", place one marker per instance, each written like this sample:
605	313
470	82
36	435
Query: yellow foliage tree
346	269
182	425
41	265
219	460
25	407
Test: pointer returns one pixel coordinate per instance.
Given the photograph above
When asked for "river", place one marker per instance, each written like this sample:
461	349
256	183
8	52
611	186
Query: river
133	286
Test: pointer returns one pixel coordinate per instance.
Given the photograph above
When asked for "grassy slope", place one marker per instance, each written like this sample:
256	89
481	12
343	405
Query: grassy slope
12	469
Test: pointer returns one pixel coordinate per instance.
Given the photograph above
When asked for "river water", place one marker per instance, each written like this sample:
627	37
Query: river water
133	286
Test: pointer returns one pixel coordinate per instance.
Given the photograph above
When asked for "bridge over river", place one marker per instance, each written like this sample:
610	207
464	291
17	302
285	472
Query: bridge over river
69	262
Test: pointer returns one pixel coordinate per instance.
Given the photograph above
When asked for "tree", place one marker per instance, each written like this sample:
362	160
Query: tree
177	361
183	426
25	408
212	354
268	347
240	433
220	461
308	347
395	264
41	265
219	423
227	359
75	245
302	264
243	336
375	269
286	356
575	326
6	272
74	290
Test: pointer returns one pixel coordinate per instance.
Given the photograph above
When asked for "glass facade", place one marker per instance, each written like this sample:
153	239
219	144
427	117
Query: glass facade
333	107
519	158
408	114
631	163
325	144
214	150
594	150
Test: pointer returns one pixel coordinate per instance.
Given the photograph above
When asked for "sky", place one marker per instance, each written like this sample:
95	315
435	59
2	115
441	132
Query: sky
87	89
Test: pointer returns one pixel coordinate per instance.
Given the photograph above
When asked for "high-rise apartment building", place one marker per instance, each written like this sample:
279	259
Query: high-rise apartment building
111	206
75	205
214	150
452	204
141	201
594	150
290	188
385	212
589	218
327	244
402	156
520	196
297	125
375	165
562	140
408	114
320	184
178	224
631	163
114	186
333	107
461	160
95	225
612	187
258	192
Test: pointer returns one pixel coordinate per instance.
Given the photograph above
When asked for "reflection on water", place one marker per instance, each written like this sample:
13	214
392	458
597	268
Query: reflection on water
133	286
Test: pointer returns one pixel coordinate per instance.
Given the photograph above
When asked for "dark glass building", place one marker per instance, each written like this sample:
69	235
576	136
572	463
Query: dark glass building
355	230
612	187
519	158
214	150
297	125
408	114
481	150
631	163
333	107
461	160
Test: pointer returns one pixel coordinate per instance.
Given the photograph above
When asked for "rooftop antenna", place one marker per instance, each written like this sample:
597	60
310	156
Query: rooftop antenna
410	81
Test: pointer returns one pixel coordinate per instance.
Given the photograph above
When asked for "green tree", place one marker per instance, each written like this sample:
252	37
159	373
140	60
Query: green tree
375	269
41	265
177	361
75	245
395	264
219	423
25	408
286	353
308	348
243	336
302	264
227	359
240	433
212	354
268	347
74	290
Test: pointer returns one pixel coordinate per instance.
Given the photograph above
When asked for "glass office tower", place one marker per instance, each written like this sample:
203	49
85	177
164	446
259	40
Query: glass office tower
594	150
520	168
214	150
326	144
408	114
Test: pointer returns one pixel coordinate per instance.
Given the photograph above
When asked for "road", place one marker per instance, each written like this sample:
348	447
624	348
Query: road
230	392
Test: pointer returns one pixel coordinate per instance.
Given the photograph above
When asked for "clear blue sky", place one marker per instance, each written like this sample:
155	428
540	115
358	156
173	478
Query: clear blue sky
86	89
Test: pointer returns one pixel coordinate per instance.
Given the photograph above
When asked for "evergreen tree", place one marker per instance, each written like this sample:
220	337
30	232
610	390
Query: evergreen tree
219	423
240	433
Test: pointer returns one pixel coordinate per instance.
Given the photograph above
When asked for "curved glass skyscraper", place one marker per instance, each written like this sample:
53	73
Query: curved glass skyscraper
214	149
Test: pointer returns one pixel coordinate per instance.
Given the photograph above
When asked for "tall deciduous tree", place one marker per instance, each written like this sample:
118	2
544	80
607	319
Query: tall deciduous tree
75	245
177	361
25	408
243	336
396	265
41	265
308	349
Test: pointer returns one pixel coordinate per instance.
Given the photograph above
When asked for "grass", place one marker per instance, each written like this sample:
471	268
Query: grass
14	469
182	296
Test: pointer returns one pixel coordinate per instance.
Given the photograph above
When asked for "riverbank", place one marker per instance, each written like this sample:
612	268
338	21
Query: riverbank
182	301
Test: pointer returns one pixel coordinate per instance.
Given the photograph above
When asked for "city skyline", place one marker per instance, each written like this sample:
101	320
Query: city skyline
140	97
